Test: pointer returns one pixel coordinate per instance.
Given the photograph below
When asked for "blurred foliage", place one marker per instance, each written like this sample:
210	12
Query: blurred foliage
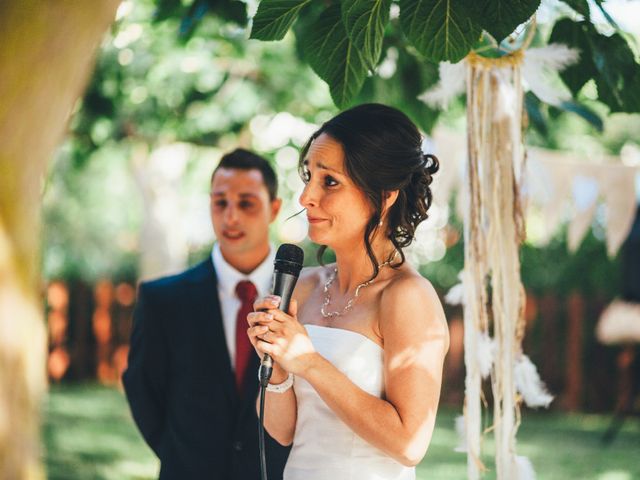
90	218
560	130
153	86
180	71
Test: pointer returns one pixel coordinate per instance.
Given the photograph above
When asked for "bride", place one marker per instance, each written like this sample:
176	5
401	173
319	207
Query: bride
364	340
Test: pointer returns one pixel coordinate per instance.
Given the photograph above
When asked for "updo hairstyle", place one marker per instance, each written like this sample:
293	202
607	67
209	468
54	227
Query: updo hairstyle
383	153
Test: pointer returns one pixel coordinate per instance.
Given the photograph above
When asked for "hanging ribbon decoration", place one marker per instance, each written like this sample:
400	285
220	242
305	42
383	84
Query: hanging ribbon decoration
495	163
494	297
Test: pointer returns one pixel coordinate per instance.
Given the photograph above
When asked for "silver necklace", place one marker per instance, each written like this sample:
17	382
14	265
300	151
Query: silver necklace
349	305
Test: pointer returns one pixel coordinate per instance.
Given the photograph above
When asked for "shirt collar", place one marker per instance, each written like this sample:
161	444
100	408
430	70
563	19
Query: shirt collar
228	276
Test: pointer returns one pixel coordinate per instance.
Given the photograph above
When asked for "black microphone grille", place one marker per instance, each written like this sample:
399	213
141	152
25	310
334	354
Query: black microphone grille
289	259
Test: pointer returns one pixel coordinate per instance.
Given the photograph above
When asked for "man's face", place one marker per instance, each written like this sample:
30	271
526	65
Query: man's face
241	212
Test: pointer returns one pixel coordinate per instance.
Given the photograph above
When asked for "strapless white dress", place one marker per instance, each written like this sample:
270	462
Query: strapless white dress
324	447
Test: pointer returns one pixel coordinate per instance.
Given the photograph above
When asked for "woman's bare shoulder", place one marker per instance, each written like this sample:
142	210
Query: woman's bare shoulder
406	277
310	279
411	300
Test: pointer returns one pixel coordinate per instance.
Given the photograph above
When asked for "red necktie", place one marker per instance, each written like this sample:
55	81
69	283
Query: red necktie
247	294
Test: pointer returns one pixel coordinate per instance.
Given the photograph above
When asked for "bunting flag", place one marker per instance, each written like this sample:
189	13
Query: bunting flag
558	188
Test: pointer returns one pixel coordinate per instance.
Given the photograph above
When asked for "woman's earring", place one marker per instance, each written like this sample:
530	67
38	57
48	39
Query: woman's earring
380	223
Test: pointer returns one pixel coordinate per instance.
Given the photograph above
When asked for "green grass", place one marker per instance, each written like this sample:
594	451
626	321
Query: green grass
560	447
89	435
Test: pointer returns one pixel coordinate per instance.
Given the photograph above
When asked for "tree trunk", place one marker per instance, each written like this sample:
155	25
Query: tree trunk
46	56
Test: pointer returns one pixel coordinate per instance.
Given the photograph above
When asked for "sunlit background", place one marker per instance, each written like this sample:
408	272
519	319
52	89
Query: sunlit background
126	199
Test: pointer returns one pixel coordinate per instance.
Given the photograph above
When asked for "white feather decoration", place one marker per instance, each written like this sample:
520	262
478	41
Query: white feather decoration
452	83
555	56
528	383
486	350
461	433
524	468
455	295
540	69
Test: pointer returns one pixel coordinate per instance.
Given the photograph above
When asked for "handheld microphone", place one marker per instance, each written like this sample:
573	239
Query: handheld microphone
287	266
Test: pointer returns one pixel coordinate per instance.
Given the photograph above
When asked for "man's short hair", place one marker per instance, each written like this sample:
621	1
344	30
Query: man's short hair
242	159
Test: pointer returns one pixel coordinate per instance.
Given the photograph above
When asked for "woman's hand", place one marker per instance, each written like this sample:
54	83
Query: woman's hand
280	335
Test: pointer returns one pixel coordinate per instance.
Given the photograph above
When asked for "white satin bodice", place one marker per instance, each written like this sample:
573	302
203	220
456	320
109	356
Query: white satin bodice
324	447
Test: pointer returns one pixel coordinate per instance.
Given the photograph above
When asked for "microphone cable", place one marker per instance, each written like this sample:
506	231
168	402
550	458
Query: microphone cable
264	374
287	266
263	457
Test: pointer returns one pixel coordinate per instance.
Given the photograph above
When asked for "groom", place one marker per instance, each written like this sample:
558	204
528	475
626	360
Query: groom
191	381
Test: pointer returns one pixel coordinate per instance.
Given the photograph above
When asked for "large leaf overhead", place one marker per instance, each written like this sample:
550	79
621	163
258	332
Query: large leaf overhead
365	21
439	29
332	55
274	18
342	40
501	17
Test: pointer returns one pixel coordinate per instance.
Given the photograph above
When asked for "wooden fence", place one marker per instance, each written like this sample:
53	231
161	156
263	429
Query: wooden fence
89	330
90	326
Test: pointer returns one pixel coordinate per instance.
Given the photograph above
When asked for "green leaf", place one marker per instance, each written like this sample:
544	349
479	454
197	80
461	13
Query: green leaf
365	21
192	18
501	17
274	18
618	78
166	9
232	10
332	55
606	15
585	112
580	6
537	118
575	35
626	100
439	29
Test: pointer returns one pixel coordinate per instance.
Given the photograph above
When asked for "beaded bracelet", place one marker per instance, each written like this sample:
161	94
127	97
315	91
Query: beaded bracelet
281	387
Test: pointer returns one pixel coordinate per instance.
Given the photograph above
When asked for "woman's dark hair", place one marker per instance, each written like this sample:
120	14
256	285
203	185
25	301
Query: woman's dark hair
383	153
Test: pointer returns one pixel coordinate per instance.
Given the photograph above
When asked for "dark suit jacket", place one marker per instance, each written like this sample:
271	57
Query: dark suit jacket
181	387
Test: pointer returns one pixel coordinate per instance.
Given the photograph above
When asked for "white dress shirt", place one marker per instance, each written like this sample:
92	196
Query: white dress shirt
228	278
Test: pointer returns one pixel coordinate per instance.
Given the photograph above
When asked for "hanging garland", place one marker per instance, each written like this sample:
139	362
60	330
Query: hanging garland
494	297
